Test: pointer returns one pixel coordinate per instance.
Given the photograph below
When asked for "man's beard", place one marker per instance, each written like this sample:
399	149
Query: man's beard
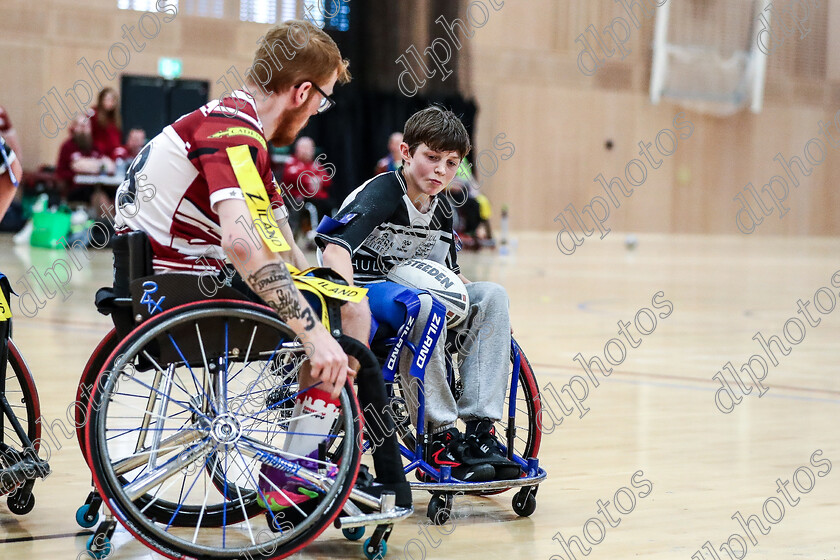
286	130
83	141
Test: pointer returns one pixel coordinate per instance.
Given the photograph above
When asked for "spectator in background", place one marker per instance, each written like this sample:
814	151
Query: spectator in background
135	142
394	158
306	181
474	210
78	155
106	126
9	133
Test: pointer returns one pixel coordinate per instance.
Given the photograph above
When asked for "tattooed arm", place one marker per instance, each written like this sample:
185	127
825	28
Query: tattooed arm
267	275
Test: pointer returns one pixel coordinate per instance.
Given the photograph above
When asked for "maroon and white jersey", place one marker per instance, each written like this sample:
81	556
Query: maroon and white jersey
173	185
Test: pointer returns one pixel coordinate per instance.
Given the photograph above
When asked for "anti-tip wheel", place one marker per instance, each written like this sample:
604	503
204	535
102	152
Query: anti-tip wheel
83	519
19	503
375	554
524	503
353	533
103	547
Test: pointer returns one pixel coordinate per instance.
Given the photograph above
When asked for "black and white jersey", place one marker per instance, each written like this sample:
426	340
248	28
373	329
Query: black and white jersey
380	227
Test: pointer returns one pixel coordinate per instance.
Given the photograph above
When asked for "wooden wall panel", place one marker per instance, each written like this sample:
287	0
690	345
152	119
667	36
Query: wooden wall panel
525	78
560	119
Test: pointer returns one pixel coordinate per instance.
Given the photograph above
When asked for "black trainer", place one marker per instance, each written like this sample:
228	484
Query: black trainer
484	445
449	449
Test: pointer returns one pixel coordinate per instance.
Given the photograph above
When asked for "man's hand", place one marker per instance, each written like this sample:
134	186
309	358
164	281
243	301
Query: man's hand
327	361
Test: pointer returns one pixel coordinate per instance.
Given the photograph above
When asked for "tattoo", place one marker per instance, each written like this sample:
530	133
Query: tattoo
275	286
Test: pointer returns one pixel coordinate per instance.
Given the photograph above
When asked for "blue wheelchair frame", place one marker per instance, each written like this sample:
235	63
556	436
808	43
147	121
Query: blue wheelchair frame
382	300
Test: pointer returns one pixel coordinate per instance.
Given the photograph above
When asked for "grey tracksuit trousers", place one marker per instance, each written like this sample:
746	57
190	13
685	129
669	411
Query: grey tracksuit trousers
483	346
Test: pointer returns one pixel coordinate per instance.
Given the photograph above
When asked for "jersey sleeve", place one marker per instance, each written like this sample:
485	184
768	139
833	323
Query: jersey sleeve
356	219
208	151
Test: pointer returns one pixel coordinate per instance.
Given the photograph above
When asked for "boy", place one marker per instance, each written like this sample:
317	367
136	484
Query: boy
396	216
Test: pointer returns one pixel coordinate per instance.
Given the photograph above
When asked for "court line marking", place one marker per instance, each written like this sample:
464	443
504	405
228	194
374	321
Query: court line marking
45	537
704	382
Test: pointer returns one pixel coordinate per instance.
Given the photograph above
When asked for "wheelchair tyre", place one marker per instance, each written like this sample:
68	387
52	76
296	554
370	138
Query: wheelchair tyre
207	426
89	374
18	388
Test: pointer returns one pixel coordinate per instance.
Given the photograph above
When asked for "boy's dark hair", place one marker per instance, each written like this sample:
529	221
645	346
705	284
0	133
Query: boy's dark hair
439	129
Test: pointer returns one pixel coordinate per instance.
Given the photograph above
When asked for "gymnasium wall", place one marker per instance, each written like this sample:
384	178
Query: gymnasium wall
528	85
522	69
42	41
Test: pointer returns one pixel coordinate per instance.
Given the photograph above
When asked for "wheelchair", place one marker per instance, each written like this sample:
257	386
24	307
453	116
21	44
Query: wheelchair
180	408
521	428
20	428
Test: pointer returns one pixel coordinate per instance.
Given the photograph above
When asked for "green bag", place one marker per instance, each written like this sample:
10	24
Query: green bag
49	228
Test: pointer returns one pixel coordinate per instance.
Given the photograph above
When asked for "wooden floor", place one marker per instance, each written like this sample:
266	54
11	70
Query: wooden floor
655	413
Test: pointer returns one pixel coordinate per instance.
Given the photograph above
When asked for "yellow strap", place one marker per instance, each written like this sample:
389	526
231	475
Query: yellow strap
303	287
5	308
353	294
256	198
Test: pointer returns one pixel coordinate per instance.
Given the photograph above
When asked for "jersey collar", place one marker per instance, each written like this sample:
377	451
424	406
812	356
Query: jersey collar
242	94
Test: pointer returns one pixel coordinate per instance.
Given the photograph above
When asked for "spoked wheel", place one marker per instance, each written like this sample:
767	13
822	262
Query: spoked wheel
518	427
186	414
523	432
18	388
86	383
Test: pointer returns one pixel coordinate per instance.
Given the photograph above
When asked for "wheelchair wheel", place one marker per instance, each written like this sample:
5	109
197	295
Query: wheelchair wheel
179	416
19	390
520	430
20	430
88	379
523	432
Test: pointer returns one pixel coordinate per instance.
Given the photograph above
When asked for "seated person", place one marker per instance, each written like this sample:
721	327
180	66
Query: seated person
105	125
77	156
135	142
305	180
196	215
10	171
397	216
473	209
394	158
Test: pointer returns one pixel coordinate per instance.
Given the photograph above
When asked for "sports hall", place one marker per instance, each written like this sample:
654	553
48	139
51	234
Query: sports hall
653	182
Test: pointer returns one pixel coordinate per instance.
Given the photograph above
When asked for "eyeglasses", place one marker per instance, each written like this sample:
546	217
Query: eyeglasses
327	101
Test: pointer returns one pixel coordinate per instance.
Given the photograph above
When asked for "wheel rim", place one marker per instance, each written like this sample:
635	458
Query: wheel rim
233	441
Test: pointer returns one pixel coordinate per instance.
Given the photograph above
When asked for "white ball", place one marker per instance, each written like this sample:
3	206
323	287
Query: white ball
438	280
631	242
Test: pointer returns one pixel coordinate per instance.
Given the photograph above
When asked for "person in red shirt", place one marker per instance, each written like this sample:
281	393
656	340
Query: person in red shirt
135	142
394	157
186	190
306	180
106	126
78	155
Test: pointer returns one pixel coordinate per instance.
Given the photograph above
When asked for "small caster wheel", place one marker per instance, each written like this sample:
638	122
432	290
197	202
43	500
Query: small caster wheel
372	553
353	533
99	546
21	503
440	508
86	518
524	502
